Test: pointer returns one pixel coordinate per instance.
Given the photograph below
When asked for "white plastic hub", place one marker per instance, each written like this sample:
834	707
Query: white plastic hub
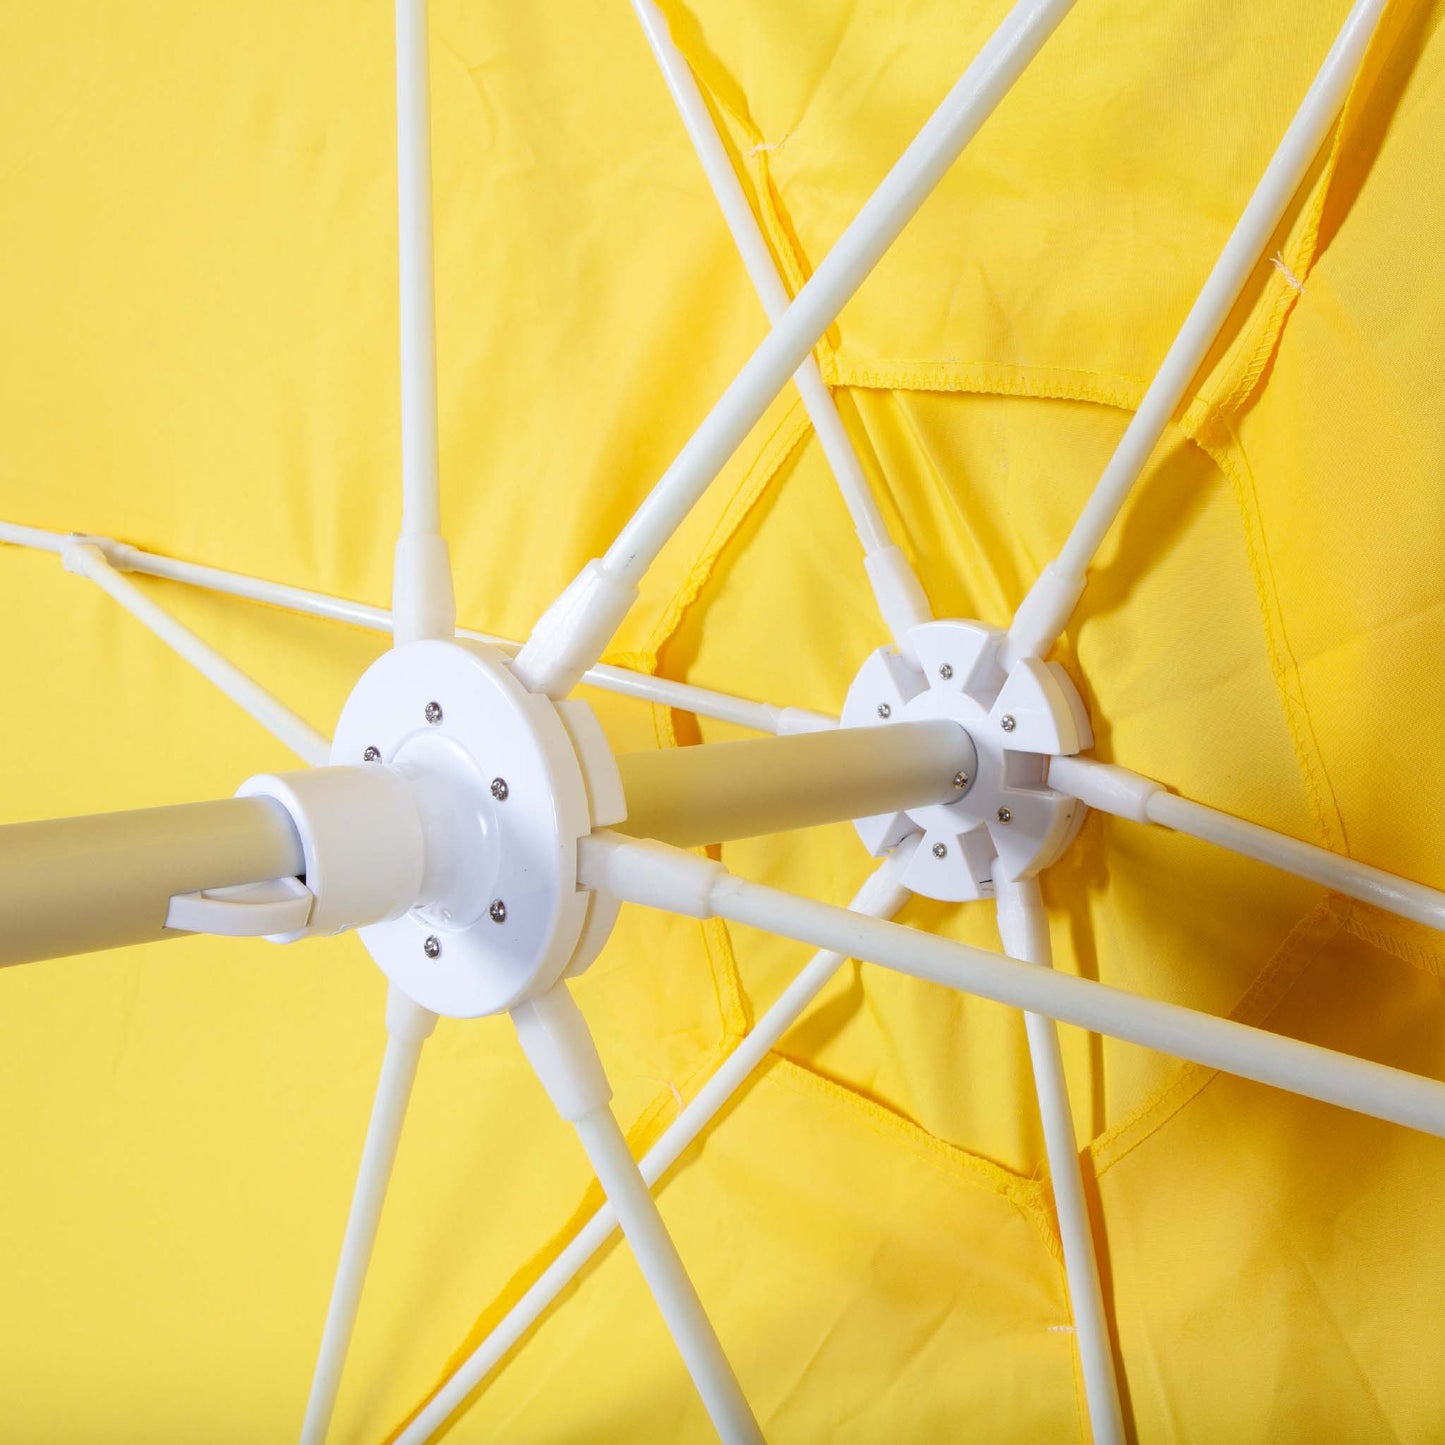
506	782
1006	817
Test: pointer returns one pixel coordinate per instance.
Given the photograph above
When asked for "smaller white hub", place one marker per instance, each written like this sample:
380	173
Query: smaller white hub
1006	817
505	782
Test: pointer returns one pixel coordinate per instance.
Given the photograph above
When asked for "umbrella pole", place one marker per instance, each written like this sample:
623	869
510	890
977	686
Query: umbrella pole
556	1040
900	595
422	599
1024	932
408	1026
698	887
1116	790
1042	614
881	897
763	717
571	634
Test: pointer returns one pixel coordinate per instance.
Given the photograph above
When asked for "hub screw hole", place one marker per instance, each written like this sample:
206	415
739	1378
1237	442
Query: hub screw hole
884	710
500	789
960	780
498	911
433	713
432	947
1007	722
1005	816
940	850
371	755
945	671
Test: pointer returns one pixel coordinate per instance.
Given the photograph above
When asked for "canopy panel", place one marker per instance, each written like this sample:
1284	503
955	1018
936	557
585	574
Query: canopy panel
199	236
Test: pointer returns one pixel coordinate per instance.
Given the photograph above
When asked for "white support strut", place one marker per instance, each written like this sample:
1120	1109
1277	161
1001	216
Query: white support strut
422	596
408	1027
1042	614
571	634
763	717
1024	932
87	560
881	896
900	595
1116	790
660	877
559	1046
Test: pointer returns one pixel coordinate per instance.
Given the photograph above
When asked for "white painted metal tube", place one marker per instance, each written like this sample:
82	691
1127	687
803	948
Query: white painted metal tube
661	1266
1116	790
273	715
881	896
1023	929
559	1046
716	792
1043	613
762	269
764	717
661	877
422	595
75	885
572	633
408	1027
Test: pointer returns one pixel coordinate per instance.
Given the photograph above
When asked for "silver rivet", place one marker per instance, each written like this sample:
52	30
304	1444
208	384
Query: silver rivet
499	789
498	911
945	670
1005	816
1007	722
940	850
433	713
371	755
884	710
432	947
960	780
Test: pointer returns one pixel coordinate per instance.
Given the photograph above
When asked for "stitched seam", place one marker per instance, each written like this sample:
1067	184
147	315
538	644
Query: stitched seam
1229	457
1316	930
1394	936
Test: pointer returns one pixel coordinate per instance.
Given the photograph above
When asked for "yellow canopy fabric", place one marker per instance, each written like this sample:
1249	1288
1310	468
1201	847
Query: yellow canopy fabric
198	293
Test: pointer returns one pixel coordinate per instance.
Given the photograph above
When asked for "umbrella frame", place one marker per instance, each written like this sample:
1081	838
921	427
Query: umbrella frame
565	646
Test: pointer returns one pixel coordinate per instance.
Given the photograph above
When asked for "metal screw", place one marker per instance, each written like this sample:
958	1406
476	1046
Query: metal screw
940	850
1005	816
432	947
945	671
884	710
433	713
371	755
498	911
1007	722
499	789
960	780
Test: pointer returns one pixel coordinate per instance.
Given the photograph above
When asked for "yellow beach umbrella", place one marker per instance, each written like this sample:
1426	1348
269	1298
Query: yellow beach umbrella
893	1201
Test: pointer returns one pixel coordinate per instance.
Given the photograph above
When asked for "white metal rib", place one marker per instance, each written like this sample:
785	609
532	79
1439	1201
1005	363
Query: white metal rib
661	877
273	715
761	717
572	633
881	896
1023	929
1046	609
1126	794
902	602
